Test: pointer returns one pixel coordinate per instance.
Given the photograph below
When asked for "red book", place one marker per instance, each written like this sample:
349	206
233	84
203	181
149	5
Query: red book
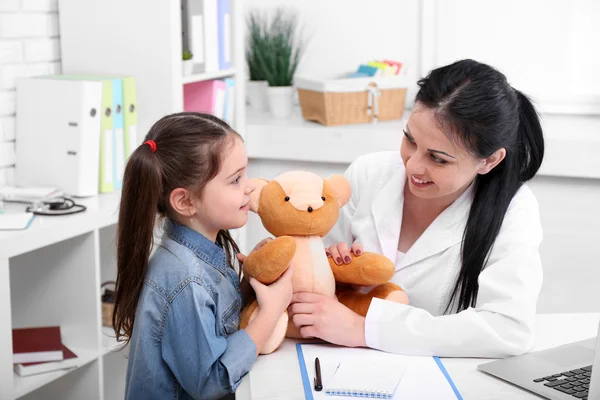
70	361
36	344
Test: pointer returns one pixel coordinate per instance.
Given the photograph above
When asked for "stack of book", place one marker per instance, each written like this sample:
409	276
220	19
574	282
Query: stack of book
40	349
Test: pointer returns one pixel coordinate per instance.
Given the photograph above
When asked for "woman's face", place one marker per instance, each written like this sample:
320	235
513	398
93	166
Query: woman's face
436	167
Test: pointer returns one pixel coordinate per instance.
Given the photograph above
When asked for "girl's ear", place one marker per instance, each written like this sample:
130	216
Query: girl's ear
181	201
255	195
341	188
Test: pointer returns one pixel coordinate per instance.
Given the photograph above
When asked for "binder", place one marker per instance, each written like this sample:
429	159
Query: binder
224	26
130	115
229	111
211	35
118	137
192	24
107	139
59	133
421	377
205	96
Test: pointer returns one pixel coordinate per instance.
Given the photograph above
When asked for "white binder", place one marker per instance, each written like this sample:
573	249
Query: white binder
58	134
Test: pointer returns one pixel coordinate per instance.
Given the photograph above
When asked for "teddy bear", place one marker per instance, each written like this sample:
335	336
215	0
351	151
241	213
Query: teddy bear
299	208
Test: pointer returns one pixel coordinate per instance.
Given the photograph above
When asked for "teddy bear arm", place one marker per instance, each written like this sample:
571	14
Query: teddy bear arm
366	269
360	302
270	261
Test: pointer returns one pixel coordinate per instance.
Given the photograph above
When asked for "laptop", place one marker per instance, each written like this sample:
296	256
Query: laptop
567	372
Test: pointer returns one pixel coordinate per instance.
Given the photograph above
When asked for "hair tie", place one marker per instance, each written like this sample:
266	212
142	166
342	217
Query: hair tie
152	145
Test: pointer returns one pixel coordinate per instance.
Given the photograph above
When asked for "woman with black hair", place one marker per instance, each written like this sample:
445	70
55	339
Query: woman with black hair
453	212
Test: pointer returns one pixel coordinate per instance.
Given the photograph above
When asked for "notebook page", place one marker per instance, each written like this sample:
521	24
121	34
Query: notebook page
421	377
370	374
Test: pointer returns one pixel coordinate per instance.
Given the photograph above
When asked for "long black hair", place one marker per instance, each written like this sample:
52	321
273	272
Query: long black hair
475	105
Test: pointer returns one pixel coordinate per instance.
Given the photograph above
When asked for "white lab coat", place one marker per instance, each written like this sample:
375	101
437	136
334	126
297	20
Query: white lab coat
502	322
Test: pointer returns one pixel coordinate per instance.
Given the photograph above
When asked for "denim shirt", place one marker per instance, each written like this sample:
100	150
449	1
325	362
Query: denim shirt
185	342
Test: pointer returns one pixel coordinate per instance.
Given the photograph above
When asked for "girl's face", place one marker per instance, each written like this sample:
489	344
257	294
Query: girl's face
225	200
436	167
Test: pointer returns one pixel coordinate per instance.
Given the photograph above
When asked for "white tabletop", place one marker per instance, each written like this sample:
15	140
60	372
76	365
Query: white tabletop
277	376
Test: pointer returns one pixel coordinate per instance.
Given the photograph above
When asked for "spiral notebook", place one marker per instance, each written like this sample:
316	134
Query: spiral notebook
361	378
359	372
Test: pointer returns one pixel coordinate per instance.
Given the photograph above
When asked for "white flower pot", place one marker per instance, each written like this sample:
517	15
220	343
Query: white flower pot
187	66
281	100
257	95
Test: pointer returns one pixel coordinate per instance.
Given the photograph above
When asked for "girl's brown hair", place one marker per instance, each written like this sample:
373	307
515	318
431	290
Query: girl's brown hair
188	154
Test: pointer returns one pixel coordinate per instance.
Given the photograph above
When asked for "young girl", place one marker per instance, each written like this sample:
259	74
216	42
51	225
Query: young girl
180	310
453	212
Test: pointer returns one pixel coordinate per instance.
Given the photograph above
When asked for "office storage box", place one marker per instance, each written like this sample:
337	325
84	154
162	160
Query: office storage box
352	100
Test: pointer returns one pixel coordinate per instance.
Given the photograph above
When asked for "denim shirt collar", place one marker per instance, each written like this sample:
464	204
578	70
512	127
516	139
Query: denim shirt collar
205	249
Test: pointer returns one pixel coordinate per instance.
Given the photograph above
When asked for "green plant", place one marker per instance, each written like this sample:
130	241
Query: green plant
256	44
187	55
281	52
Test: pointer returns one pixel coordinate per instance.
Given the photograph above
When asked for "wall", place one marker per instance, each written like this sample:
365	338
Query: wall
29	46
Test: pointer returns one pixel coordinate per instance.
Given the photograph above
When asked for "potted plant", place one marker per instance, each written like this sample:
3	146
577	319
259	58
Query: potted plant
256	44
279	61
188	64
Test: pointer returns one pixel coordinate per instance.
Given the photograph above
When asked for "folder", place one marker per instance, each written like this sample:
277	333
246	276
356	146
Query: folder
107	140
118	137
192	24
224	26
130	115
229	112
59	132
205	96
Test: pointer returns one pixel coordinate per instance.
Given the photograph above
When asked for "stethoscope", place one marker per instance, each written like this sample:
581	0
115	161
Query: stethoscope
56	206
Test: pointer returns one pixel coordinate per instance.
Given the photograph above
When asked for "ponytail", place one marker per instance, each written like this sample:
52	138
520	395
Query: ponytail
493	193
530	142
142	188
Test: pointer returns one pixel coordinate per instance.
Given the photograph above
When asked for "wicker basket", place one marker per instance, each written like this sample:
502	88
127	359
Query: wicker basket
352	101
108	307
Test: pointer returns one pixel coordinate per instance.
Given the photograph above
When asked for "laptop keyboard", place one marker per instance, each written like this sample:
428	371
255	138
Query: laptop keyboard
575	382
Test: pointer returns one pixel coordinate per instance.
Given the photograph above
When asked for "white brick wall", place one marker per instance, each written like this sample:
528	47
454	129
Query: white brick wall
29	46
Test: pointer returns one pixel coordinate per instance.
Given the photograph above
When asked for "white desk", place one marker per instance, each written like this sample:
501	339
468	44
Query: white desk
277	376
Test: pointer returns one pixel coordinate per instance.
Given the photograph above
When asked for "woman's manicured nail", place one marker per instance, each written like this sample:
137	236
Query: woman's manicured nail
358	252
338	260
347	259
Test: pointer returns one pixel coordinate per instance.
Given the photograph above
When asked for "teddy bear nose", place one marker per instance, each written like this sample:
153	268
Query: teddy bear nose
310	209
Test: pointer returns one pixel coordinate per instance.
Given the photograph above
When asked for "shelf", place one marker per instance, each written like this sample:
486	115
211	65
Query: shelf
102	210
25	385
295	139
207	76
299	140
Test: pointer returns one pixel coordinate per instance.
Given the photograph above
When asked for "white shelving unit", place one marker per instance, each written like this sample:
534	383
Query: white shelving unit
51	273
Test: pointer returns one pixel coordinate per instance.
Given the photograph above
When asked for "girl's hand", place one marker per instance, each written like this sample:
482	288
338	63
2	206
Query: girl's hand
275	298
242	257
245	284
341	254
326	318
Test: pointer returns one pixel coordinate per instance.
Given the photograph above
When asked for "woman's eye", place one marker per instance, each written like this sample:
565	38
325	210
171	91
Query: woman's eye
408	138
438	160
237	180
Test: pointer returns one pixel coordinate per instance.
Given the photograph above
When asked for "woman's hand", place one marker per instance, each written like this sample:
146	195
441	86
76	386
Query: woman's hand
341	254
326	318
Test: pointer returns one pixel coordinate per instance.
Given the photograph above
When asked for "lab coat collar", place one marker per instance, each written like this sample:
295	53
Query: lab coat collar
445	231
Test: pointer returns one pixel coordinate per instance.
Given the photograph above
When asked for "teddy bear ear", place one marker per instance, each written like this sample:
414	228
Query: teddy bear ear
341	188
259	183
